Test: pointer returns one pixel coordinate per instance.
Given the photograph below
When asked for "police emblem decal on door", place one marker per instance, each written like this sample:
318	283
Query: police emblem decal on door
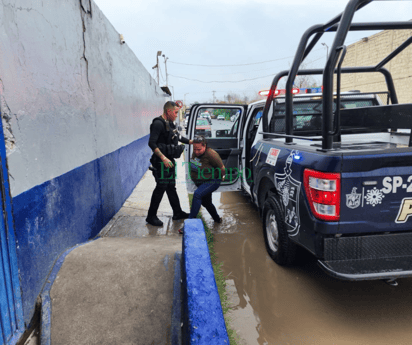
289	190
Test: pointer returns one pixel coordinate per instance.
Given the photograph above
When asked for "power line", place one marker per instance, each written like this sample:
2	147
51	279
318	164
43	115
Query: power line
229	81
220	81
243	80
244	64
248	64
317	59
255	70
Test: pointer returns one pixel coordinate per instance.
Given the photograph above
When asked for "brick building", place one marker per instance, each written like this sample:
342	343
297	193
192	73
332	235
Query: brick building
370	51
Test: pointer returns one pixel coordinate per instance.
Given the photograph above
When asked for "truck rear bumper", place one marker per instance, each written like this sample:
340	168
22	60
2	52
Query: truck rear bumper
382	256
369	269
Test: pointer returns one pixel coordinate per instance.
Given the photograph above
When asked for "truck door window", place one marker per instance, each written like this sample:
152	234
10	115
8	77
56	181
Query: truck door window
307	115
218	123
233	130
253	123
252	128
350	104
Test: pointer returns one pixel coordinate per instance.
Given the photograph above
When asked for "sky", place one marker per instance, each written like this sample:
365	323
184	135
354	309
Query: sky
229	46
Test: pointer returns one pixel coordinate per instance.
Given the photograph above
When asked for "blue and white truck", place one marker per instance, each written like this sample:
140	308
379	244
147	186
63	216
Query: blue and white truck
330	172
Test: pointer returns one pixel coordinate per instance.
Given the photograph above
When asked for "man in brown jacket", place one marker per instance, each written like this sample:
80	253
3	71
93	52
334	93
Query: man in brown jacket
207	172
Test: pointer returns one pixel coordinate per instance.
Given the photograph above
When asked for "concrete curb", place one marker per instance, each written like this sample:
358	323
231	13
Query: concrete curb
203	321
176	331
46	313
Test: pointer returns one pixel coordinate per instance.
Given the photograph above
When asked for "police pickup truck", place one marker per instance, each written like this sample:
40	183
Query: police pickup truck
330	172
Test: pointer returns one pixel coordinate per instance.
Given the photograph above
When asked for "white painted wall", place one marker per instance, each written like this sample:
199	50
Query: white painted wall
69	91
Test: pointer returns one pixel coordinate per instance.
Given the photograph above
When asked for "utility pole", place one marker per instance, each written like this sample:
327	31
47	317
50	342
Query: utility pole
184	98
165	66
213	96
327	50
173	94
157	65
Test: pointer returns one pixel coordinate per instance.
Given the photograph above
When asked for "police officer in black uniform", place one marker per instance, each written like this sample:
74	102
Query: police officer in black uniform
163	141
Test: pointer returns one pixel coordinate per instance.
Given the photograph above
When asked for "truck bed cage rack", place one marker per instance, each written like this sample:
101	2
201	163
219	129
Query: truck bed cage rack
341	24
346	95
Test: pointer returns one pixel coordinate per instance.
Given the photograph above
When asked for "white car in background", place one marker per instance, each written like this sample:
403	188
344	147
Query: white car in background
207	117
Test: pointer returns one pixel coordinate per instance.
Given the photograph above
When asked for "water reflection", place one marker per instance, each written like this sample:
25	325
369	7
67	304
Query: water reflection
300	305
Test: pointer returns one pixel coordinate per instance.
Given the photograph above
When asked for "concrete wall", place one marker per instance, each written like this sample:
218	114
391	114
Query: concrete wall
76	107
373	50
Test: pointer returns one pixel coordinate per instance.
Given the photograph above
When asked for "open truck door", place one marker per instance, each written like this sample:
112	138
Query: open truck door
222	126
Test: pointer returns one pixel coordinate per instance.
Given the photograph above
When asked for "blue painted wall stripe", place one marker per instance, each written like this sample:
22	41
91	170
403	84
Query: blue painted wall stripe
71	209
204	323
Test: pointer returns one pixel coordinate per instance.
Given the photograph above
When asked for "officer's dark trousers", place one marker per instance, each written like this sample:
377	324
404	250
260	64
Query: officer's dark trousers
165	182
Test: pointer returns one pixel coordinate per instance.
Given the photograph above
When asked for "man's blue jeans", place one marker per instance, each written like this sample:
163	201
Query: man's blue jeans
203	196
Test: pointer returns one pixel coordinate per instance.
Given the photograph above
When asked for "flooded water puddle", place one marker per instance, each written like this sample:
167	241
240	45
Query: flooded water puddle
299	305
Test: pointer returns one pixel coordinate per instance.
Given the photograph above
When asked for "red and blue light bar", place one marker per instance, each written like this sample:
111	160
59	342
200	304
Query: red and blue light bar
295	91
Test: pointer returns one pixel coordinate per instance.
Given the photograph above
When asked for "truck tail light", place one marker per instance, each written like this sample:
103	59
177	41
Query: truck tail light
323	193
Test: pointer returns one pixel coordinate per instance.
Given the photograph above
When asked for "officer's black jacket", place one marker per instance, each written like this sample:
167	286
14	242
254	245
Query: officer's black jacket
166	140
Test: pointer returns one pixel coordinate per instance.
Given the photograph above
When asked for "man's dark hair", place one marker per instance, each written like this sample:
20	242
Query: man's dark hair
169	105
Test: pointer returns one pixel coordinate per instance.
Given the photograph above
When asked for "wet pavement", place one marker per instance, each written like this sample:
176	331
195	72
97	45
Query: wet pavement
301	304
122	286
118	289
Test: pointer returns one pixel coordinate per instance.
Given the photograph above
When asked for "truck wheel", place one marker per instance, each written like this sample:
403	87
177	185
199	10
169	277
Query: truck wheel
280	248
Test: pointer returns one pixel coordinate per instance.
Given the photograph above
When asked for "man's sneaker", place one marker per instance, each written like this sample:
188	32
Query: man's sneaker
181	215
154	221
181	231
217	220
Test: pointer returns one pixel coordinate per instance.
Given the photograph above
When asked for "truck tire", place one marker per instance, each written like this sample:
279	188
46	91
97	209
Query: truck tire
280	248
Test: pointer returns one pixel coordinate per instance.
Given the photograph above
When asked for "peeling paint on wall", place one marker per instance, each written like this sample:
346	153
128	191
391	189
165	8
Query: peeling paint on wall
6	117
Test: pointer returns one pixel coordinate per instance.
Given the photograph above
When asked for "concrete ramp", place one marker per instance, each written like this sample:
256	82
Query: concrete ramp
115	291
118	289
